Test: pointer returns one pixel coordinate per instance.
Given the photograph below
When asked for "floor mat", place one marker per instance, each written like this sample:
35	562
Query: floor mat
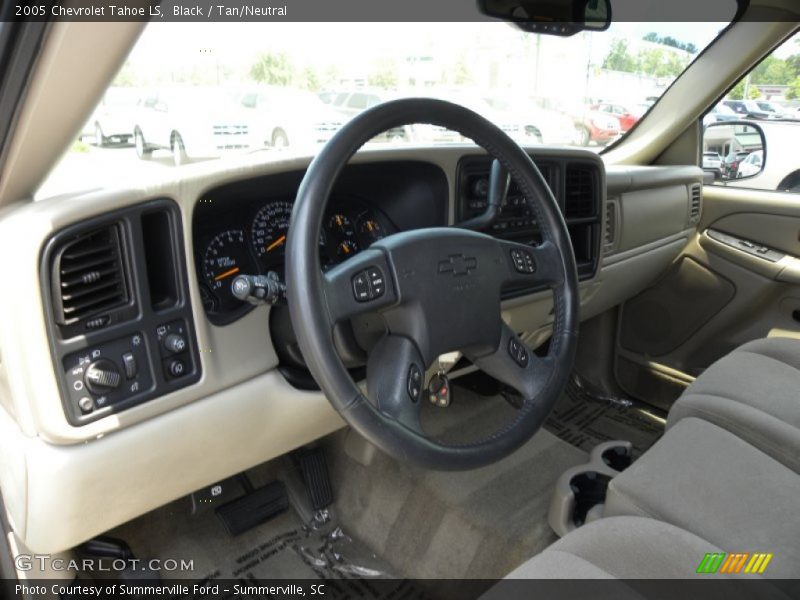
476	524
282	548
584	424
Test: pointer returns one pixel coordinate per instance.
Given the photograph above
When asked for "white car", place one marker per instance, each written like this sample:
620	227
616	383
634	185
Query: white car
554	128
712	162
290	117
191	122
751	165
114	118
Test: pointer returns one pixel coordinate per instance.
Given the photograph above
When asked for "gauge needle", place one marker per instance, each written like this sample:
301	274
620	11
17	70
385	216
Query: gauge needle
227	273
276	243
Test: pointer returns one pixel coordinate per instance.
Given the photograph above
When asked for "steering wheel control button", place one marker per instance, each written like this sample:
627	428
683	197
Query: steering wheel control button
369	284
361	290
102	376
377	282
414	382
518	352
174	343
129	362
523	261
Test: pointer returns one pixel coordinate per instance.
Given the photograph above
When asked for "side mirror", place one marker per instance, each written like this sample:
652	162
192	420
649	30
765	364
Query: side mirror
554	17
742	149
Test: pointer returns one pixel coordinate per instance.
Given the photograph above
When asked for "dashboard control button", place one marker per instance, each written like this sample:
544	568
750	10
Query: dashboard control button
174	343
518	352
361	289
414	382
86	404
102	376
129	362
177	368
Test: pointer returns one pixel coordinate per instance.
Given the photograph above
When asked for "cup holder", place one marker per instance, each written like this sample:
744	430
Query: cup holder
617	457
589	489
580	492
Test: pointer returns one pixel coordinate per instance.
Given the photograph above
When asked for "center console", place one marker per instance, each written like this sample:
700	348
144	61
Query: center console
120	320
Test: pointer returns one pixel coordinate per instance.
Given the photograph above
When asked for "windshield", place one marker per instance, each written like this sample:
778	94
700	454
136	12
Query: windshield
192	92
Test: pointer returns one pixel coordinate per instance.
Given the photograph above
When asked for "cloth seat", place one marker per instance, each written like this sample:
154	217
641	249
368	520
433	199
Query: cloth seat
753	392
706	480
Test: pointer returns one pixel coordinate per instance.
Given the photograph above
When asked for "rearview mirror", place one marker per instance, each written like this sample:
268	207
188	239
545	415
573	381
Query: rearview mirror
734	150
554	17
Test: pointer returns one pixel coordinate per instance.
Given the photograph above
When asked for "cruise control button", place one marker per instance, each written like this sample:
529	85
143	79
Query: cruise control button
361	287
518	352
523	261
377	282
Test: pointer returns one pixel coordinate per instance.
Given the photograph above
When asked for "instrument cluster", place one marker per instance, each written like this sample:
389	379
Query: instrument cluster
257	245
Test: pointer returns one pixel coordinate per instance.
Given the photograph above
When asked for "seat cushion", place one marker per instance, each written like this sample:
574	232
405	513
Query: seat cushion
706	480
753	392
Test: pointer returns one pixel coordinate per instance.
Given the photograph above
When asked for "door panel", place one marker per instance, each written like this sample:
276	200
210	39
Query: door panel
737	280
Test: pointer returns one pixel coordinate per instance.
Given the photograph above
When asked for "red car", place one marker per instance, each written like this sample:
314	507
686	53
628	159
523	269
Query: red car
628	117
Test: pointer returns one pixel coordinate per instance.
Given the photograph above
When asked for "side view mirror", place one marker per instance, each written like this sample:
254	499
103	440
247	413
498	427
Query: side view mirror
554	17
734	150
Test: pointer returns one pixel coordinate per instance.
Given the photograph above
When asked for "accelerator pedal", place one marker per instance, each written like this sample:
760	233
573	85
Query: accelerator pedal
311	462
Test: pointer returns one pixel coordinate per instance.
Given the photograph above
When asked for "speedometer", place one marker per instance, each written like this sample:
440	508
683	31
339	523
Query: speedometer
269	229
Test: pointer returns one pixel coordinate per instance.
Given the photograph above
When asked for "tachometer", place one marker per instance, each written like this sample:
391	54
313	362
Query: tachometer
225	257
270	226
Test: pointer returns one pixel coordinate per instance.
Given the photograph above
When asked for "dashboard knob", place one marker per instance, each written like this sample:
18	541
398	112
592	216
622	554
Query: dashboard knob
175	343
102	376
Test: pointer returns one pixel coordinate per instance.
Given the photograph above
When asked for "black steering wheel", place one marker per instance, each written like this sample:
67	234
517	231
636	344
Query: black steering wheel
439	290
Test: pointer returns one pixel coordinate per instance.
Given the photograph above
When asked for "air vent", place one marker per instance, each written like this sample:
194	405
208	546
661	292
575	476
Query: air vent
696	204
610	228
580	192
88	276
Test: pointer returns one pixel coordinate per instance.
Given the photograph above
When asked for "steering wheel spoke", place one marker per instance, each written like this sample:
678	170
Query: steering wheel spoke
532	265
396	380
515	364
359	285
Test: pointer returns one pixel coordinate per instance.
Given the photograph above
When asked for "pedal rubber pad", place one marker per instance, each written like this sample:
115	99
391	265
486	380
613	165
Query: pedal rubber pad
254	508
315	475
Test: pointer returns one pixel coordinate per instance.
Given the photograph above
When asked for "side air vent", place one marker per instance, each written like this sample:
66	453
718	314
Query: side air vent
579	199
89	276
610	227
696	203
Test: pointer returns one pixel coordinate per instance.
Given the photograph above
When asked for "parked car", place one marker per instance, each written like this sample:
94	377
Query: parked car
114	118
289	117
351	103
550	126
628	117
751	165
749	109
712	162
191	121
774	109
718	114
595	126
730	164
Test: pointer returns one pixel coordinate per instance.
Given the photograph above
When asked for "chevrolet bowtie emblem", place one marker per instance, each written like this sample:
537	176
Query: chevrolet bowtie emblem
458	264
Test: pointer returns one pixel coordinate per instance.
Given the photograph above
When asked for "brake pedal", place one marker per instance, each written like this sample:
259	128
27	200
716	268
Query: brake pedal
313	468
255	507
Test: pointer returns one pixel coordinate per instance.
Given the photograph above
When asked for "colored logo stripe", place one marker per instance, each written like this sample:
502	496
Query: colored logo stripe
734	563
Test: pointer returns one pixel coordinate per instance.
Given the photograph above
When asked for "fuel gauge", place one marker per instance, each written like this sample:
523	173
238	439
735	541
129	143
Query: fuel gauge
369	231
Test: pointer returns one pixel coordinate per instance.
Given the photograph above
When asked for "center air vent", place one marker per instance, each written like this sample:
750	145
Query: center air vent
89	276
580	194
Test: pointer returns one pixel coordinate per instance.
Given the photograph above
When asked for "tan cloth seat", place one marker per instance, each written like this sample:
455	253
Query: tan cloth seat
753	392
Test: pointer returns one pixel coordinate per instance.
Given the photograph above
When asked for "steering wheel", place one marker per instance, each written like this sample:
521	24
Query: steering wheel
439	290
